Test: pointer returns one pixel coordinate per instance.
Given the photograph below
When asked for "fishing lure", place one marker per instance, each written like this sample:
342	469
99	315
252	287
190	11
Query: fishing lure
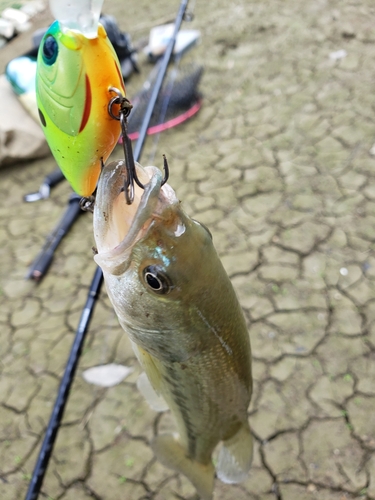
75	75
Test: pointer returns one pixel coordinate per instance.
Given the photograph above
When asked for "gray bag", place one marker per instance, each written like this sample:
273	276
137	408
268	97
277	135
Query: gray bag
21	137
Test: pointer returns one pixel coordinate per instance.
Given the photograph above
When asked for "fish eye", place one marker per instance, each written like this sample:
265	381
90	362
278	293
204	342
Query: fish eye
156	280
50	50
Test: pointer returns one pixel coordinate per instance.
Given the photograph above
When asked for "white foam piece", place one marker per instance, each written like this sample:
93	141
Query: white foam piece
107	375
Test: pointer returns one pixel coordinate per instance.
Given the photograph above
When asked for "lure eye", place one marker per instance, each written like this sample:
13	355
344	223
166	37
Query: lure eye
50	50
157	280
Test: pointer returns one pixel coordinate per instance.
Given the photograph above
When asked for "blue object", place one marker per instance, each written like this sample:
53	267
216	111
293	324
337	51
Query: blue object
21	73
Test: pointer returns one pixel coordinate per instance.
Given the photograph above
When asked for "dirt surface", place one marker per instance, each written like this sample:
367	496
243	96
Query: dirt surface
278	164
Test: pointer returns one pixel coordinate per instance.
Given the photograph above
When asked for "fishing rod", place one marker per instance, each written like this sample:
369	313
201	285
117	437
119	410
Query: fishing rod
50	181
42	262
93	295
159	81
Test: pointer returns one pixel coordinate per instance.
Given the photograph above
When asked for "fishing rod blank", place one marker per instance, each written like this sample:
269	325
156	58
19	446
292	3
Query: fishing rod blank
66	382
159	80
41	263
96	284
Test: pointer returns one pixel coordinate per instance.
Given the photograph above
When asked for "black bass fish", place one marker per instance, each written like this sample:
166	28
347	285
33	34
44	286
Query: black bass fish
176	303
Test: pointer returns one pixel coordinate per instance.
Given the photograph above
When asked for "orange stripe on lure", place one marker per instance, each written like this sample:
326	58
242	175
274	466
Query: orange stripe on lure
74	78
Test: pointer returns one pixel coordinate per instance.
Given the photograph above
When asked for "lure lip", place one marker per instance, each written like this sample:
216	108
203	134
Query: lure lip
80	15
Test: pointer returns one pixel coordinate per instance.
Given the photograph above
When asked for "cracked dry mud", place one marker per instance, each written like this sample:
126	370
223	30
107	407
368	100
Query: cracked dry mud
278	164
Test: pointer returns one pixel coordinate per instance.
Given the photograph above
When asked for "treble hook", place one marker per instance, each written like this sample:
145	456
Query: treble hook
122	116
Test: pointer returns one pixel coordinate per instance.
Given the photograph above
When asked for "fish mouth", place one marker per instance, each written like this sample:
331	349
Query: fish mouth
117	225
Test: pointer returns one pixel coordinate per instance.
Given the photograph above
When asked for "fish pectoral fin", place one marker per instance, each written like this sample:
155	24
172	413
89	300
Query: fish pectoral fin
170	453
235	456
149	382
155	401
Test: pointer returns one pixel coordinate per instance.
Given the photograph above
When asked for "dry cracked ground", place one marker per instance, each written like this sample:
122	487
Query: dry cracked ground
280	165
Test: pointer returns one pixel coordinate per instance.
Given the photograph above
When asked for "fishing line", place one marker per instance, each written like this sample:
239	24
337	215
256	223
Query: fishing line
94	291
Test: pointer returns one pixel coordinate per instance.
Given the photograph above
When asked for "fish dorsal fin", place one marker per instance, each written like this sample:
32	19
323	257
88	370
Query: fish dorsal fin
155	401
170	453
235	456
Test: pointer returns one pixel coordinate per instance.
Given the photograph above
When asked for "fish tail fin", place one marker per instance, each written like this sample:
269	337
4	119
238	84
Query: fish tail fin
170	453
235	456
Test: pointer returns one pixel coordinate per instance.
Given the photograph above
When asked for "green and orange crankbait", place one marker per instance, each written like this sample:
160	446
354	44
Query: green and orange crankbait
75	75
